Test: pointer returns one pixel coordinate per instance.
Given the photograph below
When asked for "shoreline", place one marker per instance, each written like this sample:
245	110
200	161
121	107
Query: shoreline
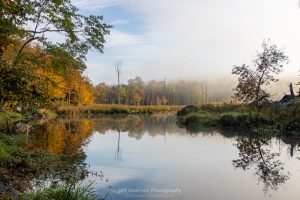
114	109
269	120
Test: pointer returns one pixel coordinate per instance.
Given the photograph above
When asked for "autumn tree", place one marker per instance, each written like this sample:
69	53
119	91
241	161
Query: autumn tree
70	68
136	91
48	76
253	80
32	20
101	93
36	68
13	88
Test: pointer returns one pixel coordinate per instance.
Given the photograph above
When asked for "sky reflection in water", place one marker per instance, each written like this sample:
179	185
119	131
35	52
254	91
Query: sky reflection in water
150	157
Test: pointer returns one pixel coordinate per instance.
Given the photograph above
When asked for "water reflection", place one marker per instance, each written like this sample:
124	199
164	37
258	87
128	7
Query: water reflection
118	156
62	137
293	146
134	143
255	152
137	125
65	139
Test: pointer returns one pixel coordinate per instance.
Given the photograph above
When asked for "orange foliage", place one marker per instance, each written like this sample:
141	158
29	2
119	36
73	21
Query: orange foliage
53	84
62	137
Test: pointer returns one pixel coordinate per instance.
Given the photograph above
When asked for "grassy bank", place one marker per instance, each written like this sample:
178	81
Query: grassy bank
19	167
114	109
269	119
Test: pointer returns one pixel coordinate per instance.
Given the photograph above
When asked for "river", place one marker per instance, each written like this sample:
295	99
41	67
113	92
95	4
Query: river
150	157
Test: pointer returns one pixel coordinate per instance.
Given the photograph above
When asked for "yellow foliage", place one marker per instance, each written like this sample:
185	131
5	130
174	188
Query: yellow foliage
62	137
86	96
82	88
53	84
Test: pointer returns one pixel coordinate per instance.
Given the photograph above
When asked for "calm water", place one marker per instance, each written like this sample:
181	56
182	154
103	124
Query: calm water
150	157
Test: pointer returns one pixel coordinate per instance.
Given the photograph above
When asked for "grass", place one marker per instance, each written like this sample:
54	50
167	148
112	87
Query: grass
46	113
8	117
9	147
19	167
63	191
269	119
115	109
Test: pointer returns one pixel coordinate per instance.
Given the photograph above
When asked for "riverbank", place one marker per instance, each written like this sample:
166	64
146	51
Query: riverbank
268	120
18	167
9	118
21	165
23	168
114	109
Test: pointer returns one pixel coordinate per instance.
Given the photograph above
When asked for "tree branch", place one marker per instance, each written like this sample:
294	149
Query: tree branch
53	30
22	48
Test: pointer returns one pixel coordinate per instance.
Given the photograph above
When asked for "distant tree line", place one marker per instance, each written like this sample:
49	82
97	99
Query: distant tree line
139	92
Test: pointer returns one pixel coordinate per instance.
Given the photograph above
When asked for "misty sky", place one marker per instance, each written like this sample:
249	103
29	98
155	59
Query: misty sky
190	39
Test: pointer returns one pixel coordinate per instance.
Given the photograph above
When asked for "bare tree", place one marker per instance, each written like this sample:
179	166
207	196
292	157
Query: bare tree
118	154
206	98
118	68
292	90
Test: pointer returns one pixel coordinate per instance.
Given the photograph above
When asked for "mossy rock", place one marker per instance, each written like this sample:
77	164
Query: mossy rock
187	110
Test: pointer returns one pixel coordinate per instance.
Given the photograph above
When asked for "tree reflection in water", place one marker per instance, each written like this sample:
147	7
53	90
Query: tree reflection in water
118	154
67	138
255	153
64	139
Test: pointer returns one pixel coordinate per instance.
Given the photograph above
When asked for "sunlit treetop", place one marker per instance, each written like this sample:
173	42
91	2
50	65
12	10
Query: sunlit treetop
32	20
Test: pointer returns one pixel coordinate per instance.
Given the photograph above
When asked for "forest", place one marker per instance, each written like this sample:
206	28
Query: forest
138	92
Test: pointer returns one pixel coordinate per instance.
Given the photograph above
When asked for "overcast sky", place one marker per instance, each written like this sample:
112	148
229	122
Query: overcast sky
190	39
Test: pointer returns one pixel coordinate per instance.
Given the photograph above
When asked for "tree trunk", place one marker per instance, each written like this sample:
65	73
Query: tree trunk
1	54
119	95
69	98
1	104
292	90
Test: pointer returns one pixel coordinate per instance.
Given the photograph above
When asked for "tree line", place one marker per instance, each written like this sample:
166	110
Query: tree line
36	72
139	92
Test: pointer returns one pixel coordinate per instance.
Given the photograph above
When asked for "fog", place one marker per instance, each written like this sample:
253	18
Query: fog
192	39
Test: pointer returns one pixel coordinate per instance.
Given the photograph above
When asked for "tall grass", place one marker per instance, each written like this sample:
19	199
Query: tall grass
64	191
115	109
7	118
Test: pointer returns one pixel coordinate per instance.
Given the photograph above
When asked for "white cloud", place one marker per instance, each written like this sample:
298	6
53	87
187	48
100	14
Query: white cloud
200	39
96	4
118	39
119	22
